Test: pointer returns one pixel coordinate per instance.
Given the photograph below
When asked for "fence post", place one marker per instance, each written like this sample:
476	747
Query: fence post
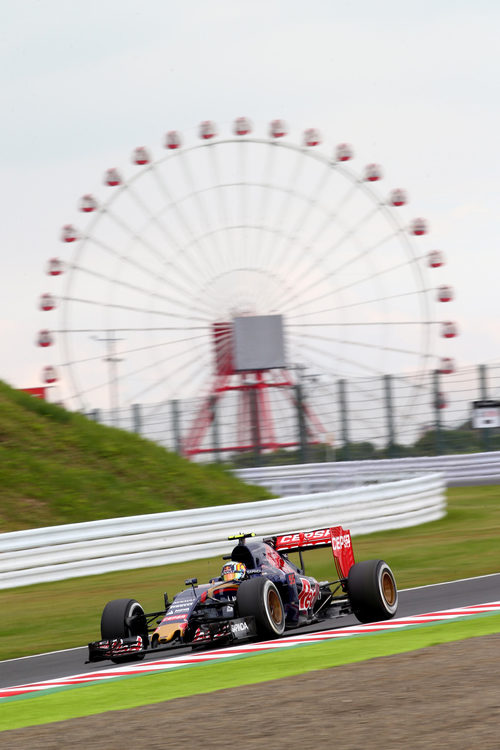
95	414
174	404
255	424
437	414
483	390
215	428
136	418
344	420
301	423
389	414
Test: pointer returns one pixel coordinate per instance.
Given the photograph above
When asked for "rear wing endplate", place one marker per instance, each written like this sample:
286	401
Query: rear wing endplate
336	537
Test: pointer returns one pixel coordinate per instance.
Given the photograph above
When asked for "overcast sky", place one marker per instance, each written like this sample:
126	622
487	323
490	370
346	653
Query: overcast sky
413	86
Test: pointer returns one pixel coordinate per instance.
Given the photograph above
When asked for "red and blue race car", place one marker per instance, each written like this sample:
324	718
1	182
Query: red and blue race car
260	594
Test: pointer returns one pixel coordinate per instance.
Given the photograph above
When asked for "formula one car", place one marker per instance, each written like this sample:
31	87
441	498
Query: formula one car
259	594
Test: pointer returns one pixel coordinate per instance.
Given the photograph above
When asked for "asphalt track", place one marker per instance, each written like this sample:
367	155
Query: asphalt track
411	602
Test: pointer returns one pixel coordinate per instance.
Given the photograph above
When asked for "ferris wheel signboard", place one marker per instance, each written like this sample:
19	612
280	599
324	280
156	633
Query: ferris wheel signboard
235	260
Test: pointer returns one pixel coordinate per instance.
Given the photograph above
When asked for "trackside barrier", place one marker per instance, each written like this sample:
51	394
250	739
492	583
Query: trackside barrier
459	471
59	552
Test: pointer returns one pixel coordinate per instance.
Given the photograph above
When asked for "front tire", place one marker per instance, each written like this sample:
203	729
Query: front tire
124	618
372	591
259	597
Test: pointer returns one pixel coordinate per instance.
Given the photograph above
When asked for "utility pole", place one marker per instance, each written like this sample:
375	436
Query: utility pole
112	360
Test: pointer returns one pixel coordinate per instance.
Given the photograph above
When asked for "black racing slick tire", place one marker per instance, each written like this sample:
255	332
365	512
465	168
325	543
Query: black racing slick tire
124	618
259	597
372	591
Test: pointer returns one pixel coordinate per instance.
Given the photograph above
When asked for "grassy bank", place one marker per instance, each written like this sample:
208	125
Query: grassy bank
58	467
67	613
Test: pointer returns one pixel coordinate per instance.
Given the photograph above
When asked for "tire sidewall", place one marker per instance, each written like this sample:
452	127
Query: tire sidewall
366	593
254	600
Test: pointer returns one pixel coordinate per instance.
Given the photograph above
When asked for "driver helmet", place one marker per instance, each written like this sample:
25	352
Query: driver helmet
233	571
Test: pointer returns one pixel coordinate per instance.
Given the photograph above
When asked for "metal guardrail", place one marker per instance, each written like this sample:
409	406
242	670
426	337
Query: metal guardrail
83	549
458	470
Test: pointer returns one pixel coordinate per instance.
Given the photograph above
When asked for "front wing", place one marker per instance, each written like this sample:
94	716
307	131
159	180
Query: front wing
221	631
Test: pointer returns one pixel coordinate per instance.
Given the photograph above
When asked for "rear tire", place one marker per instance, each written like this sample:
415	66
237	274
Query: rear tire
372	591
259	597
117	622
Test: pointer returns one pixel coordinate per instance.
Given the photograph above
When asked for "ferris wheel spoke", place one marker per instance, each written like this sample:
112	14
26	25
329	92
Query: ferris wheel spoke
194	361
135	350
349	233
368	345
173	205
241	148
136	236
130	261
221	203
129	308
202	211
334	213
141	290
263	205
360	303
151	217
146	368
285	203
361	280
321	347
331	215
310	203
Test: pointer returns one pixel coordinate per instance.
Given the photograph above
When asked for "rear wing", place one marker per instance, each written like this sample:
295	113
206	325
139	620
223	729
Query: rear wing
338	538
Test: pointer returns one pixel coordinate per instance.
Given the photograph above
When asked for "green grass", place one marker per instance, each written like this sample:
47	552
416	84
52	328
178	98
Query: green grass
59	467
155	688
67	613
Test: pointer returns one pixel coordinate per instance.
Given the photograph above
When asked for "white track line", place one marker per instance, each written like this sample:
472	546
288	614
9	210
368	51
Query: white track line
445	583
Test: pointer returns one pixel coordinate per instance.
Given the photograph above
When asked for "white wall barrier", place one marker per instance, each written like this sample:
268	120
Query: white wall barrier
82	549
459	471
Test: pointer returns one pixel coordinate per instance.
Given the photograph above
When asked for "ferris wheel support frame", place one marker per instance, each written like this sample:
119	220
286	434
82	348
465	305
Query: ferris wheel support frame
256	430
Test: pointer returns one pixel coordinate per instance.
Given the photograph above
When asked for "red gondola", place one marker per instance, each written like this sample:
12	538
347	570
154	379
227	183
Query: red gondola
344	152
435	258
49	374
441	402
69	233
47	302
140	156
373	172
398	197
87	204
277	129
449	330
419	227
112	177
312	137
45	338
445	293
173	139
55	267
207	130
446	366
242	126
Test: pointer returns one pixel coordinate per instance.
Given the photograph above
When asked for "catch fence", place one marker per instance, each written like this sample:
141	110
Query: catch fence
379	417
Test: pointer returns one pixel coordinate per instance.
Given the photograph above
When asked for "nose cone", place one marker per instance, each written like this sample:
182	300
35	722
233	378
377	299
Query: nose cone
168	630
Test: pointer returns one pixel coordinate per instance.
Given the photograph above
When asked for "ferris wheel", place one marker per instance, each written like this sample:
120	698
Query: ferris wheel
158	269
